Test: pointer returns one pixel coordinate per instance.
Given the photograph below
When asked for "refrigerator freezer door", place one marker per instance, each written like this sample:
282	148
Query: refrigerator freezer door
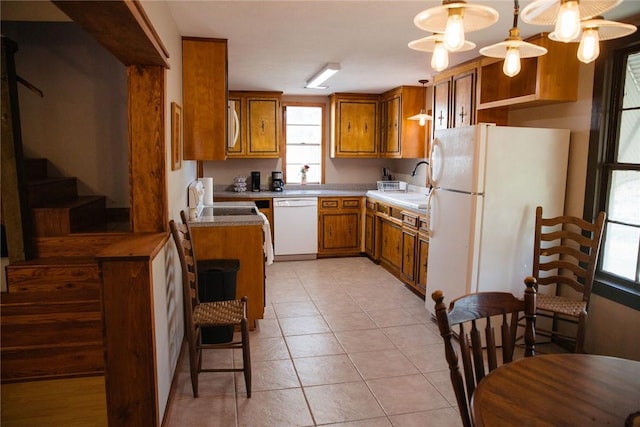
453	260
457	158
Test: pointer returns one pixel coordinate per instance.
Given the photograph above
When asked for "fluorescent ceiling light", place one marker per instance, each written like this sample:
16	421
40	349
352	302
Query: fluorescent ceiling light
322	75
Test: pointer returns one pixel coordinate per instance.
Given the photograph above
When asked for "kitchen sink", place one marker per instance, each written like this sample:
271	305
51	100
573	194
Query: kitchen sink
409	199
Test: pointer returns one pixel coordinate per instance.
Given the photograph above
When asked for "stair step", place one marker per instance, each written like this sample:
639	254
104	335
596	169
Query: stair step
47	191
48	362
50	324
35	169
82	214
52	279
76	245
51	319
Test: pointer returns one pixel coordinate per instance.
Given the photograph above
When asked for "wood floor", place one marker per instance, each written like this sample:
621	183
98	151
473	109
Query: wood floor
71	402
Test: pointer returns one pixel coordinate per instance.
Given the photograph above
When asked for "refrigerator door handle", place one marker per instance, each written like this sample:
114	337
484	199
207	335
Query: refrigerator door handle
431	212
432	161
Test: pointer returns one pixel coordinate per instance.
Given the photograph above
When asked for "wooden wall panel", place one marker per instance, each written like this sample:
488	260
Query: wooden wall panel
147	152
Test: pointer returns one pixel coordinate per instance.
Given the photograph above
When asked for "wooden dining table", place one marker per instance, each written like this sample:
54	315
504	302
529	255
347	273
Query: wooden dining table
559	390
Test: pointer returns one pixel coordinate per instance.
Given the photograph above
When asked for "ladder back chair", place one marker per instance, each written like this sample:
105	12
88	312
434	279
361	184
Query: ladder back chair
566	252
464	320
203	314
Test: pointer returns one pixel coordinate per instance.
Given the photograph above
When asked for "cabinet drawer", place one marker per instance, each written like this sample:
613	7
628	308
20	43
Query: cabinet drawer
423	222
350	203
371	206
329	203
410	219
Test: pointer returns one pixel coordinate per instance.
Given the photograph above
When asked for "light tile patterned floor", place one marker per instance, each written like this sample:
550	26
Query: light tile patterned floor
343	343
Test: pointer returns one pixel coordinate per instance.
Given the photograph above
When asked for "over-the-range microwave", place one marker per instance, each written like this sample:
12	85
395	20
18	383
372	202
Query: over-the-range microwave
233	124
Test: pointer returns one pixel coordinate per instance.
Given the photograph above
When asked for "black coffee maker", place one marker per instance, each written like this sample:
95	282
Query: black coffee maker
255	181
277	184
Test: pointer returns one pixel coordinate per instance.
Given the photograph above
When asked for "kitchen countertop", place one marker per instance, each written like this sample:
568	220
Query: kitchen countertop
411	200
205	220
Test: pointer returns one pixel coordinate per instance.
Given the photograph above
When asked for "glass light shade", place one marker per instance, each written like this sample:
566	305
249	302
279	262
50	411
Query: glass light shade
545	12
511	66
476	17
454	31
440	57
422	117
568	21
589	48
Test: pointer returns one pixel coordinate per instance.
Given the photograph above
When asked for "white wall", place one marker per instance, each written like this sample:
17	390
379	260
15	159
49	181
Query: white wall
610	328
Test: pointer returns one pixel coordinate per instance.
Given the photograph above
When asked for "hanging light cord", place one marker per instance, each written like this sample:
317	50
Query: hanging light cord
516	12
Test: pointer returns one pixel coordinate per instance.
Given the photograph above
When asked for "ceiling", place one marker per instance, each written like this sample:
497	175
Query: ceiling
279	45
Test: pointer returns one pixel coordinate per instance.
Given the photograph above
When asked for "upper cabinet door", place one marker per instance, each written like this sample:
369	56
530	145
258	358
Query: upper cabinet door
391	143
441	93
263	127
354	126
205	96
259	120
463	99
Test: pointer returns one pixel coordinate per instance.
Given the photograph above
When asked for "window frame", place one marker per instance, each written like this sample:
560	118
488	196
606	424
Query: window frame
323	107
607	97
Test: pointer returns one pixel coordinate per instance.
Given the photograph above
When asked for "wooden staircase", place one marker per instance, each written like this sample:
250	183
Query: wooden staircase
56	208
51	320
51	314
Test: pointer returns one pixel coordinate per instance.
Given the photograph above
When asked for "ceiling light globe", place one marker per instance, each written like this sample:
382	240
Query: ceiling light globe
440	57
568	22
454	31
589	48
511	66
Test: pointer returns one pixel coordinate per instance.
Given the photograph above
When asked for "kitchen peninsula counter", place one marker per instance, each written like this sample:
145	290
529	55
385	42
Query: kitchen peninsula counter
236	237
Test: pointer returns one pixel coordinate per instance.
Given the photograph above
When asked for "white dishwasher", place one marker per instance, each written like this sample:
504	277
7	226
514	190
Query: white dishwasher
295	222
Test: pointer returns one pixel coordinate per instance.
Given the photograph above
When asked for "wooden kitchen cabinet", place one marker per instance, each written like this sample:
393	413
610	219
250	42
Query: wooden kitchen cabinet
391	244
354	125
389	229
339	226
370	229
454	99
422	256
409	240
242	242
399	136
441	96
546	79
259	124
402	244
204	98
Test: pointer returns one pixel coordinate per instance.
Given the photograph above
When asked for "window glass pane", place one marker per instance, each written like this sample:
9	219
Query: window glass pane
304	134
620	250
304	143
629	144
631	96
624	197
304	115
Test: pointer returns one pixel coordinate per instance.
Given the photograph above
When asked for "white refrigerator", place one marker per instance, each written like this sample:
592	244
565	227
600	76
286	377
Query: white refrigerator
487	181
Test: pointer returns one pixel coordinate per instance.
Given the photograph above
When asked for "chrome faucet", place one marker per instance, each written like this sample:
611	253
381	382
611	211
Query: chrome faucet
416	168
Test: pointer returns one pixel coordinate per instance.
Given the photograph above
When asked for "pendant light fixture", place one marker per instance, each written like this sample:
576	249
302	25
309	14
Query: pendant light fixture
422	116
453	18
565	15
594	30
513	48
435	43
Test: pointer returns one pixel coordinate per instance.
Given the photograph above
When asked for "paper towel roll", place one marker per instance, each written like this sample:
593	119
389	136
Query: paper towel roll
208	190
